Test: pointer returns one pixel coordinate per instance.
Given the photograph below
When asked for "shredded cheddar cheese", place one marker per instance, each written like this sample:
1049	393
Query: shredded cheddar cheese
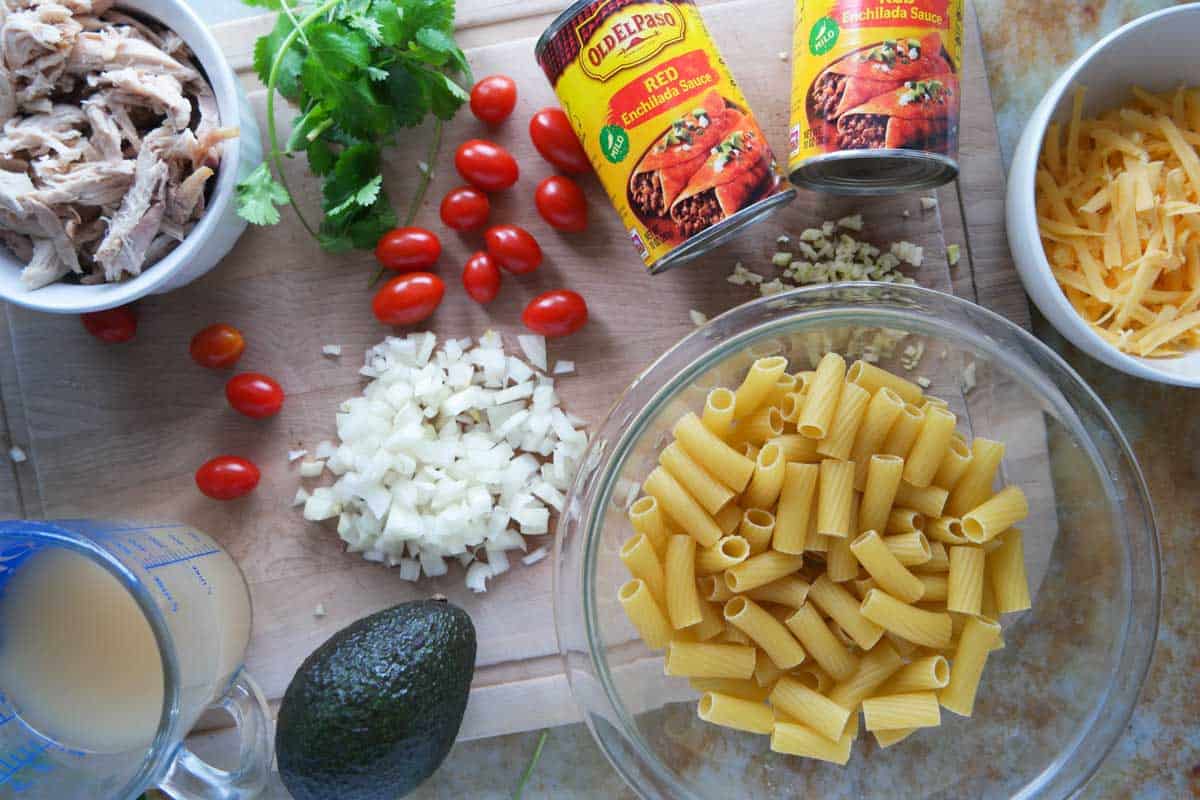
1118	202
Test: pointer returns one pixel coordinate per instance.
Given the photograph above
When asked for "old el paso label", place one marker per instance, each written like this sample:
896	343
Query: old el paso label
660	88
885	13
629	37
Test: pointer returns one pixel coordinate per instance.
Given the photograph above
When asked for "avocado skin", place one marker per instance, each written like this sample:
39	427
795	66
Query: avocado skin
374	710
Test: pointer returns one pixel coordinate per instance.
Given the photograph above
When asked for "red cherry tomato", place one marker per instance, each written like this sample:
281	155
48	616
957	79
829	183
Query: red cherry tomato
481	278
513	248
556	141
562	203
557	313
408	299
486	165
217	346
254	395
493	98
408	249
465	208
227	477
114	326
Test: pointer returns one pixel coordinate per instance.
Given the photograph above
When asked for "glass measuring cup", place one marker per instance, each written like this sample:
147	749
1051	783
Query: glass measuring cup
114	639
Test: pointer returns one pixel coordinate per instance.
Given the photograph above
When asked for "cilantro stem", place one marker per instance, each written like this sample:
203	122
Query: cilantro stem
422	186
533	762
276	154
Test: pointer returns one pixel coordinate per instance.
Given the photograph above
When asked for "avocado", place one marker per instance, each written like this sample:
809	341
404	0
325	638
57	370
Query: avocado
373	711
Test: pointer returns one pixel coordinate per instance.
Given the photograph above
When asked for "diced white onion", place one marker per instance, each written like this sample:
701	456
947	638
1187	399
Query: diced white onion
296	455
17	454
332	350
534	557
563	367
447	453
301	497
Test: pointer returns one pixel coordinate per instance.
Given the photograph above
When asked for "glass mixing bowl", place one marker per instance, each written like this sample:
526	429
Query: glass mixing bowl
1052	702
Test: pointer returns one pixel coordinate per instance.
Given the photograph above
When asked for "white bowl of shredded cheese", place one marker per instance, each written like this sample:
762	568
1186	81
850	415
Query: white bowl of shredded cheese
1156	53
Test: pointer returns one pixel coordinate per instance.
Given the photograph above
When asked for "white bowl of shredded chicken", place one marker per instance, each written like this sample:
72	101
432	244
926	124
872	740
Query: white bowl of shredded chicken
1103	205
123	134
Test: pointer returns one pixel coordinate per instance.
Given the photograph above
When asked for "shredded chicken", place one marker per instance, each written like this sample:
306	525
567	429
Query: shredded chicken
109	139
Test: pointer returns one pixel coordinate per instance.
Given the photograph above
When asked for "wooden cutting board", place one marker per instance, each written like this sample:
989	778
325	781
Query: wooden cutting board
119	431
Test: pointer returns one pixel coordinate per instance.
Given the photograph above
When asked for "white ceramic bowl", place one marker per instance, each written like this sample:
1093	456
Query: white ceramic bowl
215	233
1157	52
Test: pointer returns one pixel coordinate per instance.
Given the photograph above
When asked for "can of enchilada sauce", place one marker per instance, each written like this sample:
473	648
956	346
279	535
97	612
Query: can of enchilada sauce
664	124
875	95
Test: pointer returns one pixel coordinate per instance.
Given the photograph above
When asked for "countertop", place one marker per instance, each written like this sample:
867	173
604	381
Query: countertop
1026	43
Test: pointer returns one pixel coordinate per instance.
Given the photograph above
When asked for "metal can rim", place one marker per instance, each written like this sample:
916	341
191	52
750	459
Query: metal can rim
557	25
948	171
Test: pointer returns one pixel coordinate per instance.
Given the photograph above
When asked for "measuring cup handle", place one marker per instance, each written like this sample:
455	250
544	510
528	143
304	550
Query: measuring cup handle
191	778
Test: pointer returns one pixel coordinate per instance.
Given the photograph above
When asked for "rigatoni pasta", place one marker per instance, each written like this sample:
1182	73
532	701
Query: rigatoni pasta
821	544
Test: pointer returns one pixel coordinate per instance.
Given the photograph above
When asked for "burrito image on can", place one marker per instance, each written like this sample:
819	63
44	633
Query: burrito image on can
664	124
875	95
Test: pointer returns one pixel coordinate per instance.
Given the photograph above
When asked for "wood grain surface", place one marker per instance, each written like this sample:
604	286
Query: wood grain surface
119	431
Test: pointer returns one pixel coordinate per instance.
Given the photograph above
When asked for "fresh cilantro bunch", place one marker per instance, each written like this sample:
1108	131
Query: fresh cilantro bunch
359	71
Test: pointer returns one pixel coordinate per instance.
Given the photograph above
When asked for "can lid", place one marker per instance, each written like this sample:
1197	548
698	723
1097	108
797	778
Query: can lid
875	172
723	231
557	25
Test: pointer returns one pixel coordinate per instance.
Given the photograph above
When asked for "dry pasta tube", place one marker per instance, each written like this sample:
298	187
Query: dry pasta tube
734	712
750	451
795	510
929	501
841	565
756	528
886	739
812	676
709	660
996	515
947	530
904	432
881	414
891	576
851	408
642	562
797	448
767	632
757	385
646	517
875	667
927	452
927	628
823	393
975	485
939	558
766	673
809	708
733	687
910	549
821	643
1006	569
798	740
790	591
761	426
729	551
879	492
645	613
713	589
902	711
965	592
954	463
728	519
872	378
937	587
786	384
711	623
904	520
970	657
732	635
843	608
761	569
791	406
718	412
769	472
711	452
924	674
711	494
681	507
679	568
862	586
835	497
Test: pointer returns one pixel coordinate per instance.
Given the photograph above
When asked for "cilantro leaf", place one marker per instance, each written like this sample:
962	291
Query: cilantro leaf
337	49
364	196
408	94
265	50
355	166
445	96
258	195
305	124
417	14
321	157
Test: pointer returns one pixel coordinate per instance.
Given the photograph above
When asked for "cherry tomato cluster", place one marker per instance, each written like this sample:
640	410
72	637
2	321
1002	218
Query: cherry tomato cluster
250	393
414	295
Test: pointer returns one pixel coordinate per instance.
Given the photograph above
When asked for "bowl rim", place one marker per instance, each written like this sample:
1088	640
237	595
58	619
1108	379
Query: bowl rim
1137	641
225	88
1025	243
